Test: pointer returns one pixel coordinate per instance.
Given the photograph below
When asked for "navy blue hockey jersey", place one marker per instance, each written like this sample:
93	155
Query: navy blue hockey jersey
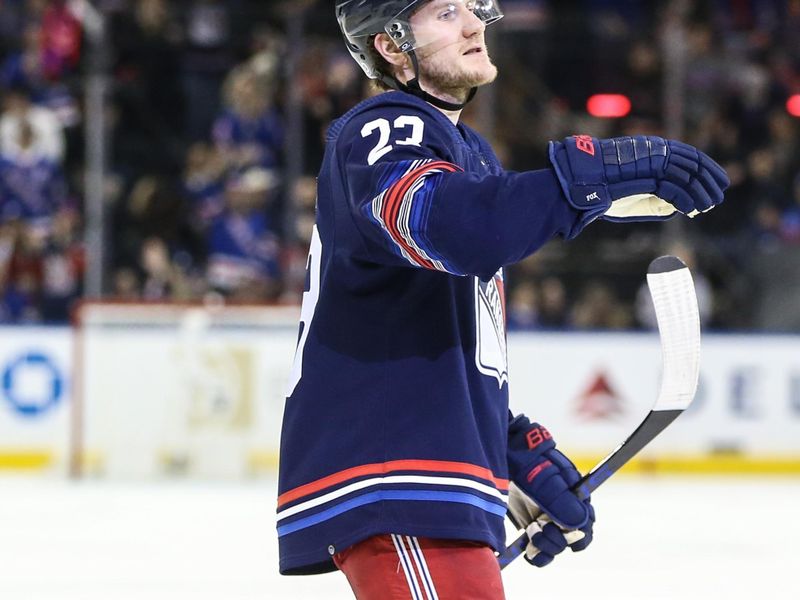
397	410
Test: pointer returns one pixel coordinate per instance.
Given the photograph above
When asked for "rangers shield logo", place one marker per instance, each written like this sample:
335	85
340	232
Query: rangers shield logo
490	322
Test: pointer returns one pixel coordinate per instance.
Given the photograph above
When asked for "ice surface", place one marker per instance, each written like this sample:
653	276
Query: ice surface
665	538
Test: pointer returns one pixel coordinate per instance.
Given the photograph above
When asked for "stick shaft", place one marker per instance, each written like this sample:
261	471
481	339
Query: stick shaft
655	422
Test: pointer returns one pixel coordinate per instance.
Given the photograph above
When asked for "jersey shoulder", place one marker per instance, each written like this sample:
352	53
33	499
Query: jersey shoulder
480	144
396	125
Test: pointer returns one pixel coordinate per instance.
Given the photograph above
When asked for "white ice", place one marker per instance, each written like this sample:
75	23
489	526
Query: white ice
661	538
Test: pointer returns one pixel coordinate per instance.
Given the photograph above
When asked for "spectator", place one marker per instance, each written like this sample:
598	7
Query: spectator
764	181
20	302
208	53
204	184
249	132
32	187
599	308
148	95
243	249
523	307
19	111
63	266
643	79
12	21
154	208
24	67
164	279
61	40
294	256
125	285
553	309
8	239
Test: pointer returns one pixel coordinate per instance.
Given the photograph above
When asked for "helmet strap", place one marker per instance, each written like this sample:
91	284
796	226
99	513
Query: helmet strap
413	87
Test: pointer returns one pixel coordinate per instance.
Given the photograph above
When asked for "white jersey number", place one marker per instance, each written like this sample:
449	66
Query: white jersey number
384	130
310	298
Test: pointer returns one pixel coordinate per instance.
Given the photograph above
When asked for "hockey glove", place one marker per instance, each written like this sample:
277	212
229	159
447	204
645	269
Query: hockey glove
639	178
540	499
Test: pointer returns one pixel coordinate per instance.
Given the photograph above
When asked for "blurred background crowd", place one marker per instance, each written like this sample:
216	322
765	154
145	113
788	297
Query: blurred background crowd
215	115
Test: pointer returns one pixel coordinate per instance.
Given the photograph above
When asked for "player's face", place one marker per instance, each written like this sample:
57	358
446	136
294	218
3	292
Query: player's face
451	48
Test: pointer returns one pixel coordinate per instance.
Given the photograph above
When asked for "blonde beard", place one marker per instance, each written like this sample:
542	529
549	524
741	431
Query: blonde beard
438	79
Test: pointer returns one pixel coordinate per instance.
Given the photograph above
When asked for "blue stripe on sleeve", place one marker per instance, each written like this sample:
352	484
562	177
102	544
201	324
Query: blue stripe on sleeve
392	173
421	212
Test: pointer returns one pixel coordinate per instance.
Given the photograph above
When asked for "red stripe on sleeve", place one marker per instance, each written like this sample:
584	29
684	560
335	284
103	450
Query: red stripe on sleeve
393	201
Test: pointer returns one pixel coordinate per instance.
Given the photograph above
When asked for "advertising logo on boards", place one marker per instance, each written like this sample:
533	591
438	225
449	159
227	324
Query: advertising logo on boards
32	383
599	401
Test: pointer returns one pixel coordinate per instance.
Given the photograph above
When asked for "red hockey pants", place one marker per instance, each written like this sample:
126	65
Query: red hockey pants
395	567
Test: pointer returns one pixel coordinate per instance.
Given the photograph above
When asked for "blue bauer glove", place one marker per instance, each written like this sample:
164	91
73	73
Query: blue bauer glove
540	499
636	178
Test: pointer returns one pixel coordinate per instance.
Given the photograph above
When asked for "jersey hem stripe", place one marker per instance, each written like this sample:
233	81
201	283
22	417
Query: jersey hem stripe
396	479
384	495
441	466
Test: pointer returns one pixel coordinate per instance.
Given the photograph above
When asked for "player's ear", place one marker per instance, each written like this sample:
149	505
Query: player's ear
389	51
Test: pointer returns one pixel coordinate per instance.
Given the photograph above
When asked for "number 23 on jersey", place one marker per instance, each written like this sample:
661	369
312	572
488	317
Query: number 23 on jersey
384	129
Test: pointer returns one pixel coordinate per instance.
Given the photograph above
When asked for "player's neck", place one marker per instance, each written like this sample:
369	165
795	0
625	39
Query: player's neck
453	115
407	74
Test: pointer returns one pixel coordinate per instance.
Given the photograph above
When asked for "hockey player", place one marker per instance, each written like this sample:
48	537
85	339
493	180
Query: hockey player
399	456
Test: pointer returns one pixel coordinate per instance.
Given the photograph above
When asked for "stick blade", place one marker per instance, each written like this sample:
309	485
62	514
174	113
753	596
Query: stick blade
665	264
672	290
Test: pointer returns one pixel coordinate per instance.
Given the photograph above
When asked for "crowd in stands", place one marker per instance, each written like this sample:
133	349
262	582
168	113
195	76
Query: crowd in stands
201	200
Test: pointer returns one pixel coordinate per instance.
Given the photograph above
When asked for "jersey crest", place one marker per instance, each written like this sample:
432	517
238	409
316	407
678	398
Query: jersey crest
490	321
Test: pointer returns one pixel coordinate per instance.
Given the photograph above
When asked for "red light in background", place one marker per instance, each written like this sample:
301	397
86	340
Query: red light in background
608	106
793	105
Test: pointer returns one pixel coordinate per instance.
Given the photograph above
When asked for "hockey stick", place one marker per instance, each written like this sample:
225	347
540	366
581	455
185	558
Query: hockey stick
672	290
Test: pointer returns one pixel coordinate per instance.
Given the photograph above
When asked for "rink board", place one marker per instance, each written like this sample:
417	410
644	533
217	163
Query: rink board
590	390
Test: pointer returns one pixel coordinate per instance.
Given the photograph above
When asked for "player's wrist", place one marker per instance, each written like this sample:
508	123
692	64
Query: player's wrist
578	164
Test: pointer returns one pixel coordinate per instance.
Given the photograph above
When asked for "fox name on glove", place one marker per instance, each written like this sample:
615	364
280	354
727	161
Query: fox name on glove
540	499
636	178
